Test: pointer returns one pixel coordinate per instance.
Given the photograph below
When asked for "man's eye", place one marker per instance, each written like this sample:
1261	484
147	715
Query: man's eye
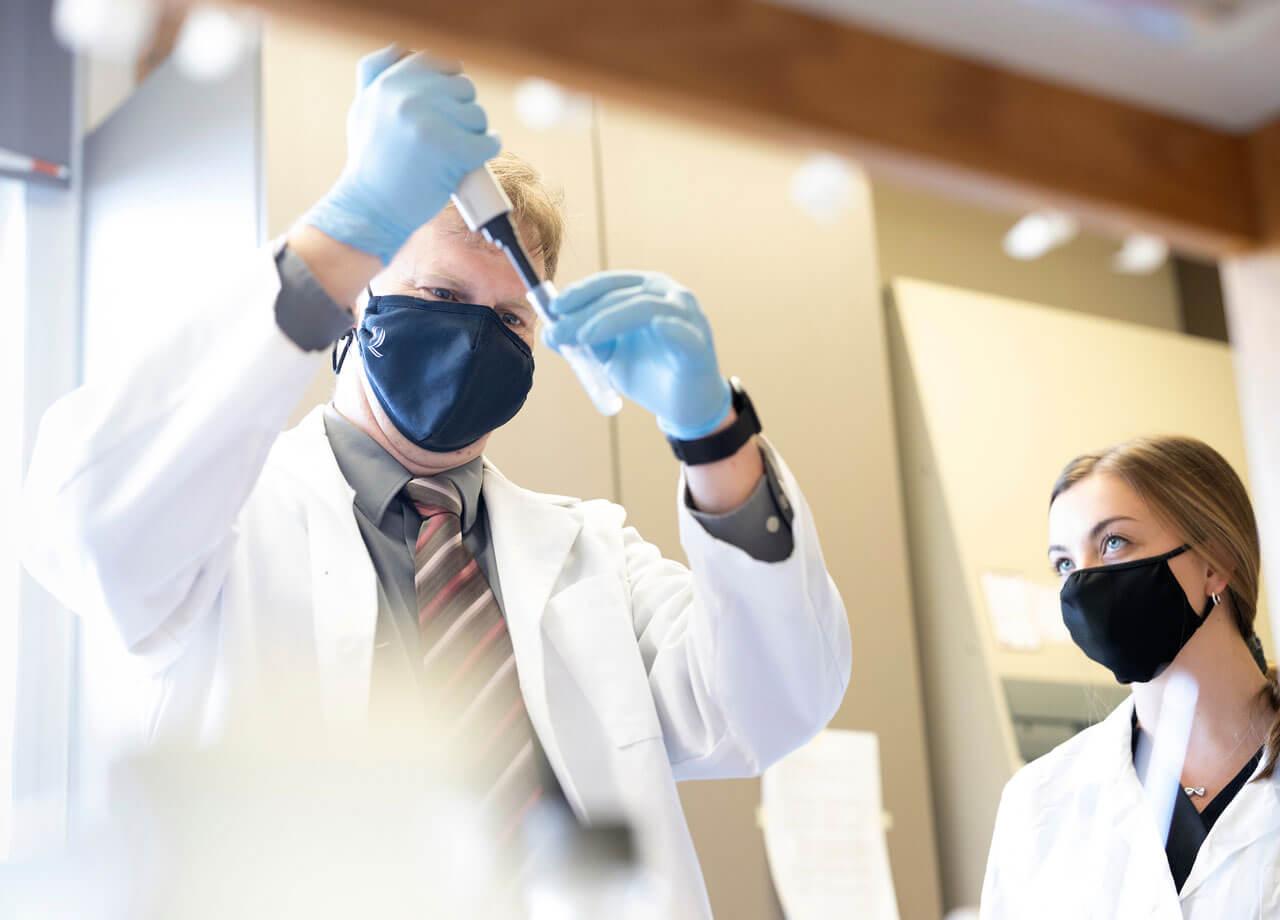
511	319
443	294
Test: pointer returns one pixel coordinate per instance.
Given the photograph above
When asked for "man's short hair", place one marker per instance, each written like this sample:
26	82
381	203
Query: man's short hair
535	207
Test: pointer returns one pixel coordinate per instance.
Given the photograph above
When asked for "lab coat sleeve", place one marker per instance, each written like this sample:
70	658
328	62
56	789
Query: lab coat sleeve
746	659
135	483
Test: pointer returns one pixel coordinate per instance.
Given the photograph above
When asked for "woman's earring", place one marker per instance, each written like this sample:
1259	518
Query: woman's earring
1217	599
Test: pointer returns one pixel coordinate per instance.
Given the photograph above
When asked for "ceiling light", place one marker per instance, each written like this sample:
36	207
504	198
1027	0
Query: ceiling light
1141	254
823	187
211	44
1039	232
543	105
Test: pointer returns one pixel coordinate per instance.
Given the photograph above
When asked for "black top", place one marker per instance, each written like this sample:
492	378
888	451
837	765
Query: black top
1188	828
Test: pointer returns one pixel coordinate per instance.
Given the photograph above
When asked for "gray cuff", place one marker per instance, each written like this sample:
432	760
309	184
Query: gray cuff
304	310
760	526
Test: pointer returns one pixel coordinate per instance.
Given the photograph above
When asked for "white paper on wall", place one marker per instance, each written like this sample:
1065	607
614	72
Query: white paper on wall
1025	614
824	830
1048	606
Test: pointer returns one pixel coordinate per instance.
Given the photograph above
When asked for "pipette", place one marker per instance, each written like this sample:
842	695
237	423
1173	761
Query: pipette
485	208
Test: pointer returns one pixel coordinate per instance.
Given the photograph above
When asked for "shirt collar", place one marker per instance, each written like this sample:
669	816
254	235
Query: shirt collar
378	478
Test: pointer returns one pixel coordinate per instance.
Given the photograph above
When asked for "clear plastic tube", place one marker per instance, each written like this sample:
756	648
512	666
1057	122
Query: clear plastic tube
590	373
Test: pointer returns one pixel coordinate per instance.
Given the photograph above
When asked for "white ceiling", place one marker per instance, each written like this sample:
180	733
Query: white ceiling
1227	77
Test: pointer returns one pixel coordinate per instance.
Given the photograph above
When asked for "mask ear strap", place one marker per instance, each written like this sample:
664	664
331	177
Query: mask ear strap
337	360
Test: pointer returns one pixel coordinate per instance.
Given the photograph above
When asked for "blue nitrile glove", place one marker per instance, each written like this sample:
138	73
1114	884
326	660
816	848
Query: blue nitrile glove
654	342
413	132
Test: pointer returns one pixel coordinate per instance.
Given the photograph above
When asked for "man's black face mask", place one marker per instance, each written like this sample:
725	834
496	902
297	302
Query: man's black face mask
446	374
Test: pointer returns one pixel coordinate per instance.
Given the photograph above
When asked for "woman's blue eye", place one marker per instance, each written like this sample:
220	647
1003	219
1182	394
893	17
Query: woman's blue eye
1062	566
1113	543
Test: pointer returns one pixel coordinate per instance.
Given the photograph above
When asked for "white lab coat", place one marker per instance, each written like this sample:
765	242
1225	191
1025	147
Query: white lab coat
1074	838
169	504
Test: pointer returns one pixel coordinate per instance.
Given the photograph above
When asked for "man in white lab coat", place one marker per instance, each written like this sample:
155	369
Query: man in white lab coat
346	552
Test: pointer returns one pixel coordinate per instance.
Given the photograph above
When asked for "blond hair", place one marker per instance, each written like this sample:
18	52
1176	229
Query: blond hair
1193	490
536	209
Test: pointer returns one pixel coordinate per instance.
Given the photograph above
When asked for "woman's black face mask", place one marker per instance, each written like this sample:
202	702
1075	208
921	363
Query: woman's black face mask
445	373
1132	617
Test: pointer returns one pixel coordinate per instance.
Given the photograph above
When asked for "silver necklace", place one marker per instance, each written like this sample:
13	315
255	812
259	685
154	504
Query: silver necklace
1199	790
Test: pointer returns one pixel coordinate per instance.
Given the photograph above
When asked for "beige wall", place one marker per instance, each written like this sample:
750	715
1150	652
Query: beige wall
796	310
924	236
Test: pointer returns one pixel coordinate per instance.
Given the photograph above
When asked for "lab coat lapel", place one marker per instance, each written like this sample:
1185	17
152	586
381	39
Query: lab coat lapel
531	541
1252	814
1129	862
344	585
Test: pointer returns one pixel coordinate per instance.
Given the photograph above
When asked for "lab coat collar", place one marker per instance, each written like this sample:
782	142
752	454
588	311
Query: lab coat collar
1109	750
305	452
532	535
1131	840
1109	753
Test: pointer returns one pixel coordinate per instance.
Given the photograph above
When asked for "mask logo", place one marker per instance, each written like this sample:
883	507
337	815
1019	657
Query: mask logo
379	336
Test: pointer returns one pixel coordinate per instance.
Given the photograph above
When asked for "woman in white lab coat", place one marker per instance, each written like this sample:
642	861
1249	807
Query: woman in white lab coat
1157	549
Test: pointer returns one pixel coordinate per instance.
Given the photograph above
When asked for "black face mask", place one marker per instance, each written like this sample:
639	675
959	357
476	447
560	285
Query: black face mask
446	374
1132	617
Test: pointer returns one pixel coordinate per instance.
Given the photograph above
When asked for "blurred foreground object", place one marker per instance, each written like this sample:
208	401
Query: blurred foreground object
256	830
1159	761
585	873
285	823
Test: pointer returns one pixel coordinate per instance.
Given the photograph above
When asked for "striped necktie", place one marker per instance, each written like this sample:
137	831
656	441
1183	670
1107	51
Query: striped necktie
469	664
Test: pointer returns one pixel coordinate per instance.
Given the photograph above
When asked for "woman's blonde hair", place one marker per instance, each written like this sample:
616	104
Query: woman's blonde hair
1194	491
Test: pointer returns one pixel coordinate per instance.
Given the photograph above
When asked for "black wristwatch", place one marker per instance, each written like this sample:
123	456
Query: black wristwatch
724	443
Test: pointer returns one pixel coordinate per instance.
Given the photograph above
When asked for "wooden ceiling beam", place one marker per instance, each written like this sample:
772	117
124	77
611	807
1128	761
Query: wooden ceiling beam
1264	147
904	110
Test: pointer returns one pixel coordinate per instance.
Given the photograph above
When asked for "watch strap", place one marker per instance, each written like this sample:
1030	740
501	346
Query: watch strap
724	443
